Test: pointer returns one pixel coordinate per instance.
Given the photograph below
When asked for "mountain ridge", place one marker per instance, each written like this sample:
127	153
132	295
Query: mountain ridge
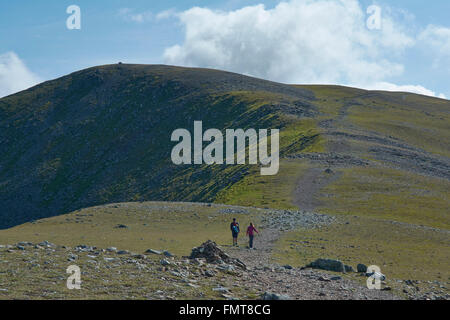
102	135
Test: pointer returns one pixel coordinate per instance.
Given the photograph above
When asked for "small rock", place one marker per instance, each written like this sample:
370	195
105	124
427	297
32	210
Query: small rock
274	296
348	268
361	268
24	244
110	259
210	273
45	243
167	254
72	257
226	267
221	289
164	262
323	279
153	251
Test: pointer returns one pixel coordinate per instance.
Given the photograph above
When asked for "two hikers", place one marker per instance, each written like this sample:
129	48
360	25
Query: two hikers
234	226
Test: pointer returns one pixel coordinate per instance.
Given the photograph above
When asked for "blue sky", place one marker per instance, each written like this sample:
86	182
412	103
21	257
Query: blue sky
300	41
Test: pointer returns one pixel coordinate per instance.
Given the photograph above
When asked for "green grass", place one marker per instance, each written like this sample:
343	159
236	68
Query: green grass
157	225
389	194
84	148
401	251
425	128
297	136
330	99
265	191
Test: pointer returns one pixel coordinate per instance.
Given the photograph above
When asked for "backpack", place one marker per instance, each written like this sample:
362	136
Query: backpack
235	229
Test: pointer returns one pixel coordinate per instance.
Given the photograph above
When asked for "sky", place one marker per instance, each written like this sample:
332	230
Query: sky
401	45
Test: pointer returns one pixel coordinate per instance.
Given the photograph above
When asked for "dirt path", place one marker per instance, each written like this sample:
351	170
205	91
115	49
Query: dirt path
264	275
308	188
263	244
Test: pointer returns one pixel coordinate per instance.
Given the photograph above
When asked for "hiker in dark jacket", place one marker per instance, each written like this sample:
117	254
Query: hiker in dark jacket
234	226
251	233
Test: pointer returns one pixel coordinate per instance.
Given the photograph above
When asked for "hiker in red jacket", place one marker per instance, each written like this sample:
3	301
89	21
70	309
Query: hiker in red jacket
251	233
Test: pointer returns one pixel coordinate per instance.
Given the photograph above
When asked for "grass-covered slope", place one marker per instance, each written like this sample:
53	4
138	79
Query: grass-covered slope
102	135
404	252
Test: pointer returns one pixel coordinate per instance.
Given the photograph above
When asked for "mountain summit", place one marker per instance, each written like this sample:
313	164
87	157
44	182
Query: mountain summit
102	135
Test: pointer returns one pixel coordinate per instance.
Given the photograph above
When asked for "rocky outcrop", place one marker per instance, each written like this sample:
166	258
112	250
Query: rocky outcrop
330	265
215	255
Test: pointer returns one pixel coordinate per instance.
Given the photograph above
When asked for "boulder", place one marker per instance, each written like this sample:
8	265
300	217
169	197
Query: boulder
349	268
167	254
362	268
274	296
327	264
153	251
210	273
213	254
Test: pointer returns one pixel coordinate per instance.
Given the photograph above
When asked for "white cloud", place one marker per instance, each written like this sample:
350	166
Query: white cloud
387	86
166	14
129	15
300	41
436	40
14	75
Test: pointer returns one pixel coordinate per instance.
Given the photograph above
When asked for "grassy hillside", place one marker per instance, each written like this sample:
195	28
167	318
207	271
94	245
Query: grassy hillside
403	251
177	227
96	143
102	135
